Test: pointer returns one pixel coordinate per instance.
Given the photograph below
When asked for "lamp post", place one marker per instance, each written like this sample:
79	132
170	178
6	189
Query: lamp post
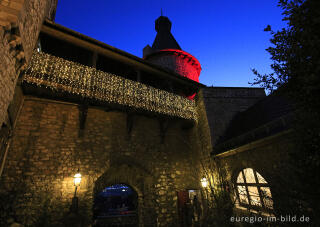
76	180
204	185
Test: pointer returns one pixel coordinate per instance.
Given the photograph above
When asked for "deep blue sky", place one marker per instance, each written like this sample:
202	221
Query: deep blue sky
226	36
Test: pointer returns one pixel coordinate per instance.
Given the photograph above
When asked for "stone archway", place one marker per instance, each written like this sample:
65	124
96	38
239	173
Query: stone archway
116	205
136	178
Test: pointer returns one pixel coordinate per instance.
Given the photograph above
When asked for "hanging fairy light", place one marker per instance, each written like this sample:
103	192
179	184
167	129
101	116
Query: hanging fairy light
60	74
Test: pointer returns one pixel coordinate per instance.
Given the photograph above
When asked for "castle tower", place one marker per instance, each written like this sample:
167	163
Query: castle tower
166	52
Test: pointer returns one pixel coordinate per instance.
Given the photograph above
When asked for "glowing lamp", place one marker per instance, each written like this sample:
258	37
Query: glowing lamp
77	179
204	182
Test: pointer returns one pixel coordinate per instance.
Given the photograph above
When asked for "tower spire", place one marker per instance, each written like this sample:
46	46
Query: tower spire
167	53
164	38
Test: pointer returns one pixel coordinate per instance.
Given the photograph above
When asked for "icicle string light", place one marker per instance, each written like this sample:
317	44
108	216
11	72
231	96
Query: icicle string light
60	74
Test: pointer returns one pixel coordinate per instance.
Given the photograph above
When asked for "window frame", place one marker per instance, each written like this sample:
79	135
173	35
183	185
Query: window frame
258	185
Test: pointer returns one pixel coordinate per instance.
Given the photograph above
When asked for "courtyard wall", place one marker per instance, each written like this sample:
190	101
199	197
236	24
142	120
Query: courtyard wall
48	147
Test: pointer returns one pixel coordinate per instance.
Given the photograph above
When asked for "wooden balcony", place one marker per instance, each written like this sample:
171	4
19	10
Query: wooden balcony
59	75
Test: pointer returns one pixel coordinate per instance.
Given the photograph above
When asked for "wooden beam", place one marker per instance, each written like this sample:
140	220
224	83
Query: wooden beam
129	124
164	125
83	111
94	59
252	145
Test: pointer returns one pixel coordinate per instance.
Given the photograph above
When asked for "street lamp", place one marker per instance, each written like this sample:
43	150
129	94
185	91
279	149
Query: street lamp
76	180
204	182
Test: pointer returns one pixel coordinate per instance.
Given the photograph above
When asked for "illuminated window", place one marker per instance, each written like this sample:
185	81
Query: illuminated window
253	192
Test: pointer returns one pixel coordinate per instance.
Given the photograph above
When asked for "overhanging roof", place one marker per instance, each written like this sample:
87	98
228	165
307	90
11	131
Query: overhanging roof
63	33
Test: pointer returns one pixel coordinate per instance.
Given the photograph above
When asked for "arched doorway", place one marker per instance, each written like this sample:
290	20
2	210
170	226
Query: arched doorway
116	205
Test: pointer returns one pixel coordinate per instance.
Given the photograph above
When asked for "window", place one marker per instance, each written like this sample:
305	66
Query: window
253	192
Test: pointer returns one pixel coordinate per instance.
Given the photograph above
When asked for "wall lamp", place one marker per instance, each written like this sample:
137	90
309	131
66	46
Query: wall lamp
76	181
204	182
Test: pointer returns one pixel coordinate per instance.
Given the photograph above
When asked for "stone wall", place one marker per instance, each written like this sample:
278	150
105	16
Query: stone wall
223	103
20	23
179	62
269	157
48	148
7	76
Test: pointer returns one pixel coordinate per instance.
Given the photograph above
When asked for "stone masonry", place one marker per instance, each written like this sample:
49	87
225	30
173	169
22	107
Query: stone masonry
223	103
48	145
20	23
269	157
47	150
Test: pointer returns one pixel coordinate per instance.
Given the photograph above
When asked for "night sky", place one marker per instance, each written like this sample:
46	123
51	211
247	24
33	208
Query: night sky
226	36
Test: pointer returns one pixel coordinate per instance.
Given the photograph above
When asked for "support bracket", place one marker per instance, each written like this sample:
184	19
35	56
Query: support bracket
83	111
164	125
129	124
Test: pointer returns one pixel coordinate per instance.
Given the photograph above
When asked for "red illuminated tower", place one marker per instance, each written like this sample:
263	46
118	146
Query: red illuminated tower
166	52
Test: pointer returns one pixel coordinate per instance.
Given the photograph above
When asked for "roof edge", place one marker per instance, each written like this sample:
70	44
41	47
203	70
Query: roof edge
85	38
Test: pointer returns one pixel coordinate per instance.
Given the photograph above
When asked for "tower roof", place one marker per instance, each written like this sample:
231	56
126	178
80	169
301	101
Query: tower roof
164	38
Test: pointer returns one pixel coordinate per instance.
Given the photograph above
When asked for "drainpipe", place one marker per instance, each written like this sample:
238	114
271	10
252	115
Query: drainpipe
13	125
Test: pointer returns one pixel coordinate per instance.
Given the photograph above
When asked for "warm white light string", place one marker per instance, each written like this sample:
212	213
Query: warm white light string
60	74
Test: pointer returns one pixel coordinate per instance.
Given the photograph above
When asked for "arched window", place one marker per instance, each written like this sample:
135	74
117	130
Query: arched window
253	192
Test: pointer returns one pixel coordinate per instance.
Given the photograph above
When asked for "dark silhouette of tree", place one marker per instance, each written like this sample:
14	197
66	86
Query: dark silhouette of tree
295	52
